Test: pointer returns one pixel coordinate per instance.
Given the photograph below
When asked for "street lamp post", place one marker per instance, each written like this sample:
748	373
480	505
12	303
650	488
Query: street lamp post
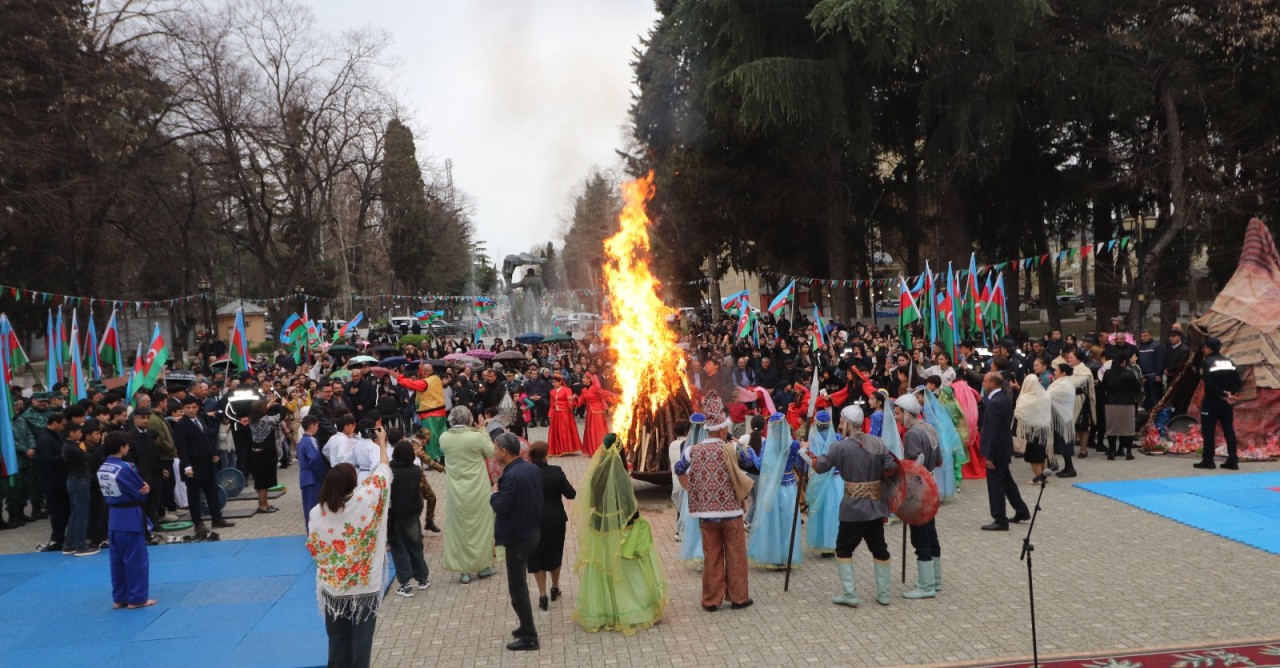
204	285
1140	225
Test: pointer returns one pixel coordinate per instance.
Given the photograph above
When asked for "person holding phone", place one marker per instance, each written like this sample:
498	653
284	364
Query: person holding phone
348	540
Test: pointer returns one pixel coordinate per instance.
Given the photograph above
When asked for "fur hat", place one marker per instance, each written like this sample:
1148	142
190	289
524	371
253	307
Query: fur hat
713	408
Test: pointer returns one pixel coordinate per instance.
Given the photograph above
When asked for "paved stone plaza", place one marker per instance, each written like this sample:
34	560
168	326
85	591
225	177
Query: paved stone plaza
1108	576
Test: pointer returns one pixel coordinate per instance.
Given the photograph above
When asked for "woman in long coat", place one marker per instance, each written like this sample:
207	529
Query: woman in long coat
468	526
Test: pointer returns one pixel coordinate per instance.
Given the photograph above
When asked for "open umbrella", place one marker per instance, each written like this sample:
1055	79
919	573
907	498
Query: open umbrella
509	355
393	362
412	367
340	351
378	371
174	379
559	337
361	360
386	350
481	354
465	360
530	338
341	373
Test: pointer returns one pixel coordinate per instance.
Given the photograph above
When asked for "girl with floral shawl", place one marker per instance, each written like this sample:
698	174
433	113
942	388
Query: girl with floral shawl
348	540
623	587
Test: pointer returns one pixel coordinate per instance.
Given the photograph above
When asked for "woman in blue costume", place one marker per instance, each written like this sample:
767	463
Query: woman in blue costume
937	416
824	492
772	530
691	539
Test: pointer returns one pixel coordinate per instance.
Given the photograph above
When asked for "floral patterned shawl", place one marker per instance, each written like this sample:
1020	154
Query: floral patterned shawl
350	549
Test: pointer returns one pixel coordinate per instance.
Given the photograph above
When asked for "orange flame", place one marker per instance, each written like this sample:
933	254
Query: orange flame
650	365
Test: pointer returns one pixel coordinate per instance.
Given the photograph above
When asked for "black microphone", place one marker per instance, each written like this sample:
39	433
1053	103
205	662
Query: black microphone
1041	478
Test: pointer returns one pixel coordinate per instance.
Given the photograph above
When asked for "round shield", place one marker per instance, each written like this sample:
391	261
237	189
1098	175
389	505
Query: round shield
920	503
222	502
231	481
893	490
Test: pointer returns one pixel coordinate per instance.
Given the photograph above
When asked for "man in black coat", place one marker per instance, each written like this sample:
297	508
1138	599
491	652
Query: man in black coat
324	410
144	456
997	448
197	460
362	396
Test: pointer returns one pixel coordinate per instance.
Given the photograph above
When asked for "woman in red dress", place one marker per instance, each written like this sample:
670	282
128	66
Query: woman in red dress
597	400
562	437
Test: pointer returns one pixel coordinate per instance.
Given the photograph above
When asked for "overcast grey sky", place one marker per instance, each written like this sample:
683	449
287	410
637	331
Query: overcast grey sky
525	96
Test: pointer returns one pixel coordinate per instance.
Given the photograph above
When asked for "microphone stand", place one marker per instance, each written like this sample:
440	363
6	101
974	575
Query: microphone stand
1027	549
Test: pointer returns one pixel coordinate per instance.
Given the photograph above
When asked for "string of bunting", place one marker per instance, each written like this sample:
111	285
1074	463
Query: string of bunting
54	299
1022	263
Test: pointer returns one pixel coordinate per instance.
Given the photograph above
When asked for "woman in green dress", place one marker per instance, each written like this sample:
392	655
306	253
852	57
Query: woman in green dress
468	526
622	585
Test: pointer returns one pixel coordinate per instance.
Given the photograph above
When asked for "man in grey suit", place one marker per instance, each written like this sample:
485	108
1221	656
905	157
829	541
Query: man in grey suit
997	448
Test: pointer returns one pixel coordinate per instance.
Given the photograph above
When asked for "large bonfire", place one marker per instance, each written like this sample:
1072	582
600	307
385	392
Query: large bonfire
650	367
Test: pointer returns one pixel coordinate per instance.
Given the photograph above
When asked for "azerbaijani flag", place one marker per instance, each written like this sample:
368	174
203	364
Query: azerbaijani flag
8	448
135	376
64	355
999	313
51	370
908	313
77	369
349	326
931	302
974	298
819	330
313	335
109	349
291	325
90	355
735	302
240	344
483	303
428	316
153	364
780	302
14	355
744	324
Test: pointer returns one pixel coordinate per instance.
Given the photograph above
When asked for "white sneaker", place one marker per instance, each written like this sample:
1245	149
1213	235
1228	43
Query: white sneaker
423	584
405	590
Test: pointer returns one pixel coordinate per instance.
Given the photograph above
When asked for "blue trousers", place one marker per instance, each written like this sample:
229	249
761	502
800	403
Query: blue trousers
78	519
130	567
310	497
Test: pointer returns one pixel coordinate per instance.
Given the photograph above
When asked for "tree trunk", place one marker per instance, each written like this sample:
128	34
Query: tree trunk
1105	283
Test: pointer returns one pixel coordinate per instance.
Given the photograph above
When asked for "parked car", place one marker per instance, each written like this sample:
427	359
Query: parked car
1070	303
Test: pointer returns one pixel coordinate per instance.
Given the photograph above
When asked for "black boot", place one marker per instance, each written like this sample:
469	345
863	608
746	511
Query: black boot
1126	442
1068	469
1111	448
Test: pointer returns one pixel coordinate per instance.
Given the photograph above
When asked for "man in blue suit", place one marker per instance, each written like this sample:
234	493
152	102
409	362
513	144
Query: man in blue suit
997	447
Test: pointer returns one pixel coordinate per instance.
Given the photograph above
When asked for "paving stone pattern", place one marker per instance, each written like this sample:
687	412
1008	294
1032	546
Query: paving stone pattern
1108	577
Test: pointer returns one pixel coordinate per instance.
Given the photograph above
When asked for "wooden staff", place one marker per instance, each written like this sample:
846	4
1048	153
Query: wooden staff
904	552
795	519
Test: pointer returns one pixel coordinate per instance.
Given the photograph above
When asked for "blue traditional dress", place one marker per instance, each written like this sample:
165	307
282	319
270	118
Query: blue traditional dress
771	531
691	534
949	442
825	490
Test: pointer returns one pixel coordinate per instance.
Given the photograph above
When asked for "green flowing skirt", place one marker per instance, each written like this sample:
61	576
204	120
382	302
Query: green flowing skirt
437	425
622	586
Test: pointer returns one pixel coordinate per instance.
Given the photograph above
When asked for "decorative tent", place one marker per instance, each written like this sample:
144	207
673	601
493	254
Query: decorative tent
1246	318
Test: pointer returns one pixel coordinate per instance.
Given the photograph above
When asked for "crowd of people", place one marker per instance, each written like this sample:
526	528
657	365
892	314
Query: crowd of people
783	427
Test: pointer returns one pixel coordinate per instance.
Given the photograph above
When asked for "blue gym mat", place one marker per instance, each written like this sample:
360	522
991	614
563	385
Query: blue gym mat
1240	507
229	603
